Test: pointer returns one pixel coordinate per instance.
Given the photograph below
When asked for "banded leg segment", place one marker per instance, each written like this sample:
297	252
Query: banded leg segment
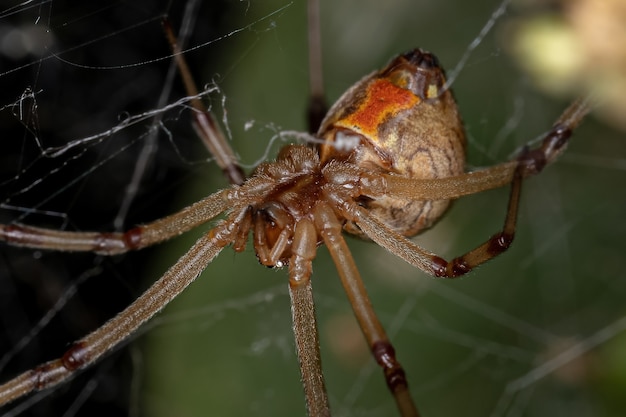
113	332
117	242
430	262
329	227
529	162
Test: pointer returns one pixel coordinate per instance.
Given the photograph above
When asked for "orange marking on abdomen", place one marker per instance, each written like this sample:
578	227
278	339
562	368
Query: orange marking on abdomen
383	99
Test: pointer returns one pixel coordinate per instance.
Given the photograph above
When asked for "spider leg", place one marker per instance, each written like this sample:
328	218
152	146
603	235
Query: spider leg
494	246
118	242
529	162
112	333
532	162
330	228
317	107
205	124
430	262
303	315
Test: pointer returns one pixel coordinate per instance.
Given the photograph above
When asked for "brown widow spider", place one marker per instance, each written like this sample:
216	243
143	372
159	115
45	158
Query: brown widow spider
424	62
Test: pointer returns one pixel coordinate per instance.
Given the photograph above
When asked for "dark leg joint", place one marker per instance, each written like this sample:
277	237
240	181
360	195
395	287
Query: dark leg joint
559	136
385	355
532	161
75	357
499	243
458	267
439	267
132	238
396	379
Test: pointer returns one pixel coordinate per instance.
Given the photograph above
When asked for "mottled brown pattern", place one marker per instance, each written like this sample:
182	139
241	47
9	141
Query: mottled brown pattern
425	141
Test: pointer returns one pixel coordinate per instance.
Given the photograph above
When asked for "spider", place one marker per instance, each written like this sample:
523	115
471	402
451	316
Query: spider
287	235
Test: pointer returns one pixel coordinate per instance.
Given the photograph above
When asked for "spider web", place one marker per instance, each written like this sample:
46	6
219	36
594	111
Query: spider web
538	331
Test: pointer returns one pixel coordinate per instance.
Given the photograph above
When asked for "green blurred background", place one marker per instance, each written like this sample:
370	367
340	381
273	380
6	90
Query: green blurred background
479	346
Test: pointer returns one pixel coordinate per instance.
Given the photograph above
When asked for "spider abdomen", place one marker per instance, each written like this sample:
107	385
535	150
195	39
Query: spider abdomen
399	120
